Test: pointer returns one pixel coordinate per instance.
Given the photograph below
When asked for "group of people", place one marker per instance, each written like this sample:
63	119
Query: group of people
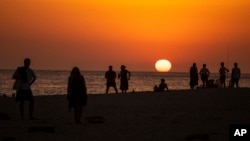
124	76
76	90
204	75
24	77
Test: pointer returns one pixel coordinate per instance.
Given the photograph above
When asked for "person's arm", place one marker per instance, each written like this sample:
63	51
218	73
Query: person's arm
167	87
16	75
33	78
208	72
129	74
106	75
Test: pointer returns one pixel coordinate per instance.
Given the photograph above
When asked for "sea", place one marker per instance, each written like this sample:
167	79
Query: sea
54	82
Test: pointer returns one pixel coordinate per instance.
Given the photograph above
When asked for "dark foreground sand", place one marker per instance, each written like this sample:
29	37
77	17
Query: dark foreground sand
181	115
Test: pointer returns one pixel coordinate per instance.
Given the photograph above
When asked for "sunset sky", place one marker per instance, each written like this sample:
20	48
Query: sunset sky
92	34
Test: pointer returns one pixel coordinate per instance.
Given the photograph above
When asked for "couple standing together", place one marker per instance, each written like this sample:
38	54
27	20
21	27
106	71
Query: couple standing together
124	76
76	92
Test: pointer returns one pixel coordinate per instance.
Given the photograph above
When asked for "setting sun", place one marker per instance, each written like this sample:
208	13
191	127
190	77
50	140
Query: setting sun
163	65
77	31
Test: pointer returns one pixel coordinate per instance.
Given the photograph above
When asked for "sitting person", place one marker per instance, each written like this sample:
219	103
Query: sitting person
162	86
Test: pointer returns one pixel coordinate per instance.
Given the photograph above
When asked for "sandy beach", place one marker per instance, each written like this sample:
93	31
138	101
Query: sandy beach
178	115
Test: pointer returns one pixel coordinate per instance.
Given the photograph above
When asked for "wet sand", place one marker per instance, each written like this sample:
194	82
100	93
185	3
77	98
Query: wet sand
178	115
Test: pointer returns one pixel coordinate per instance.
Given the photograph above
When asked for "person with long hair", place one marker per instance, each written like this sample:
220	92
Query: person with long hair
77	93
124	76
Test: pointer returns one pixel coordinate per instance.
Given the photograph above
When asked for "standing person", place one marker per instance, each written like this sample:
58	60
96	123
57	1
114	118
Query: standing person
235	75
124	76
193	76
223	71
26	77
77	93
204	72
110	75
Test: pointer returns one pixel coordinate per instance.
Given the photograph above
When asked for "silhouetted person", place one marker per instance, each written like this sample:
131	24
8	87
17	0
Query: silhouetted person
162	86
124	76
235	75
26	78
193	76
77	93
223	71
204	72
110	75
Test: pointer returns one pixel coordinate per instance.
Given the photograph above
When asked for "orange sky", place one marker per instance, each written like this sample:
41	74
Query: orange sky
60	34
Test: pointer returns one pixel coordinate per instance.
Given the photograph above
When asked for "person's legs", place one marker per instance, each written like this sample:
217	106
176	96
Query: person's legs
31	109
29	97
233	82
237	83
192	84
230	83
107	89
203	83
206	81
222	81
78	114
21	107
116	91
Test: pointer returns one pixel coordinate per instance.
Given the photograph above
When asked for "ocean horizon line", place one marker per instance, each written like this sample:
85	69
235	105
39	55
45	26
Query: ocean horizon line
144	71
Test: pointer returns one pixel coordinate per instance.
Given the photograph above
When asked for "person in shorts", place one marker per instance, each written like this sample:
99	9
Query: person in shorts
26	77
110	76
204	73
